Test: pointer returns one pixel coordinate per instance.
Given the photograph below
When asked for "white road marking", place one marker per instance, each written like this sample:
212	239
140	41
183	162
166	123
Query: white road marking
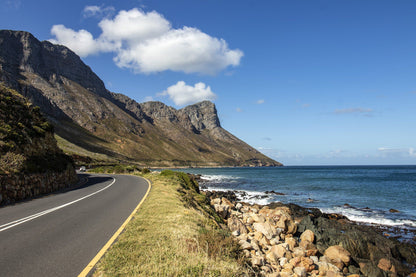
33	216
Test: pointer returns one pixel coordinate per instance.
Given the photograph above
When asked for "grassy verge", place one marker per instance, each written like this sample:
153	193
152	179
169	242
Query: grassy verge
175	233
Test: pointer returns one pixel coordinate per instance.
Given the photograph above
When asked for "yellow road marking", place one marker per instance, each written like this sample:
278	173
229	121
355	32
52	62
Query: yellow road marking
97	257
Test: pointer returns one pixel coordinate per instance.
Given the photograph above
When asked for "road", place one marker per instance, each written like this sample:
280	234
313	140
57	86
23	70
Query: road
59	234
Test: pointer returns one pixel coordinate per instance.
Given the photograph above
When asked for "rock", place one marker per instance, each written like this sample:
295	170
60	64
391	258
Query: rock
369	269
300	271
333	274
314	259
394	211
265	228
258	235
279	250
337	252
274	241
384	264
257	261
326	267
291	242
254	245
283	261
299	252
287	223
222	210
226	202
245	245
273	192
307	235
235	224
258	218
238	206
215	201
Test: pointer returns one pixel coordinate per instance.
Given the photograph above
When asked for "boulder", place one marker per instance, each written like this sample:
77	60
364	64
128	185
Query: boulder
222	210
384	264
300	271
338	252
326	267
291	242
299	252
265	228
257	261
235	224
279	251
307	235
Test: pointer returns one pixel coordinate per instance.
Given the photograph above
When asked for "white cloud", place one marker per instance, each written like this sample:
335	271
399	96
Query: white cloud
260	101
81	42
134	26
98	11
147	43
182	94
188	50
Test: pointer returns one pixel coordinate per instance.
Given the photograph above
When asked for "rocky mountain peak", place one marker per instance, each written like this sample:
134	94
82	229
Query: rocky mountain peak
203	115
21	51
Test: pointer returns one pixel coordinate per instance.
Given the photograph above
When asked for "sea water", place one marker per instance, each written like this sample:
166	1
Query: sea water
367	194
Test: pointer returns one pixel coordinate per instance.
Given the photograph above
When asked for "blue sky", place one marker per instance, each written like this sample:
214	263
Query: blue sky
306	82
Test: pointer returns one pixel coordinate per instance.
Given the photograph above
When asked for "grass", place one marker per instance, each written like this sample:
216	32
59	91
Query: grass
173	234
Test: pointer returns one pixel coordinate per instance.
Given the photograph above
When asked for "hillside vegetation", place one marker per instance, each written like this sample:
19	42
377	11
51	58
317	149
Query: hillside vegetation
27	143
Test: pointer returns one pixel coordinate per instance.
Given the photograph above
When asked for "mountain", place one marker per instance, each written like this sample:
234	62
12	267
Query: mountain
91	121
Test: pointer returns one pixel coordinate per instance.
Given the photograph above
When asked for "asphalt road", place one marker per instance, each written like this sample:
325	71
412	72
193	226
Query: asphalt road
59	234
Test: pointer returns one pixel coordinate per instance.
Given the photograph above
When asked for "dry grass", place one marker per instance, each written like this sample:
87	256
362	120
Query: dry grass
169	237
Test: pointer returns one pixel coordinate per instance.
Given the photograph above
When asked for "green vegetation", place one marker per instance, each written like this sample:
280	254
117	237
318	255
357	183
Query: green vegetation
119	169
174	233
26	137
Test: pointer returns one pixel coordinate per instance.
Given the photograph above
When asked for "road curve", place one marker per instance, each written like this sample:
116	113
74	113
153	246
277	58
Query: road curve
59	234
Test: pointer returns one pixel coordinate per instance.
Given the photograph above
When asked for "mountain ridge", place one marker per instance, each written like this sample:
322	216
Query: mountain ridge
89	118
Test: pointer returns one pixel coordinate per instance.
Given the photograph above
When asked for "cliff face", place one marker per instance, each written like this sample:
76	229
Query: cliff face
90	119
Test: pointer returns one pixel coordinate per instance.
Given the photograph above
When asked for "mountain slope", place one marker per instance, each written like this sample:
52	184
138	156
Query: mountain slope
94	121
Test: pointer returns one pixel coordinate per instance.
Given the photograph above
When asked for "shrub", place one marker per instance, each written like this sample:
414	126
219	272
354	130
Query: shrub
12	162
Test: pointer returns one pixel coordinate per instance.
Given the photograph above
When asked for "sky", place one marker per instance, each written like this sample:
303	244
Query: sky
306	82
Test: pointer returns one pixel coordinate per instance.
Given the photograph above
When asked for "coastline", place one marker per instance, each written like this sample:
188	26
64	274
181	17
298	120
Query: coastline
369	195
371	252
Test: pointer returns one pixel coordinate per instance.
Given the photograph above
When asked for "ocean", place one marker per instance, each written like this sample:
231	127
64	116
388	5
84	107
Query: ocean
384	195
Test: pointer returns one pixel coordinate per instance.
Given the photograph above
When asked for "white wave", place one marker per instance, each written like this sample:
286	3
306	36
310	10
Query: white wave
254	197
219	178
250	197
370	217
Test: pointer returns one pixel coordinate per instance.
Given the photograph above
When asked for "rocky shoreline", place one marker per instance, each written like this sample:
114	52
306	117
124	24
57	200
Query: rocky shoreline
289	240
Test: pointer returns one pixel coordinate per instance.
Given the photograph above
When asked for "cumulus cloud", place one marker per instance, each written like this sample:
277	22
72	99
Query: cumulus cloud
183	94
81	42
146	43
